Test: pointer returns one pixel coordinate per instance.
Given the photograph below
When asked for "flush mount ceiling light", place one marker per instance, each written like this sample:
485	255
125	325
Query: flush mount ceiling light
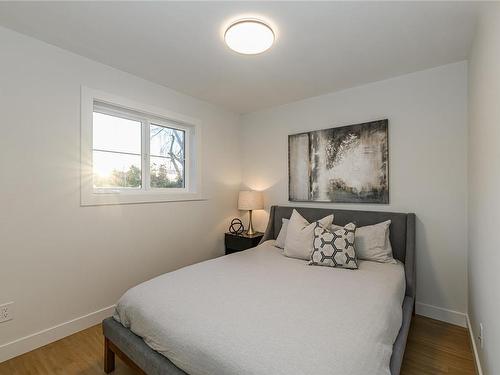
249	36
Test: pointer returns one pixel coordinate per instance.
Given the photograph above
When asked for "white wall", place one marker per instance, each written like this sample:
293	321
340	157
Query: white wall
484	183
427	114
59	261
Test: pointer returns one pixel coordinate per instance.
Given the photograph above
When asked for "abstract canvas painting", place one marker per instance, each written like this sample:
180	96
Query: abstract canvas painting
348	164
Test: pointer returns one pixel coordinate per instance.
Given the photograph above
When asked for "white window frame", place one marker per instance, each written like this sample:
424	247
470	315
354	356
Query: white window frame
147	115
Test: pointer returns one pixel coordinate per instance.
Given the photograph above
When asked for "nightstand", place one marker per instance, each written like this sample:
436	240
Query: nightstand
239	242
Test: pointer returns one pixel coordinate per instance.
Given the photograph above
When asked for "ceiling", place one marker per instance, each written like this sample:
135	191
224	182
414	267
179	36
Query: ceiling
321	46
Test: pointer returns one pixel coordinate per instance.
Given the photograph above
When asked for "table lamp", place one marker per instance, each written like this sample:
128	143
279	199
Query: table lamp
250	200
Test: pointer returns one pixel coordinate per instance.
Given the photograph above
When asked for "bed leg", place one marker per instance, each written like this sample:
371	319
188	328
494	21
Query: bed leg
109	357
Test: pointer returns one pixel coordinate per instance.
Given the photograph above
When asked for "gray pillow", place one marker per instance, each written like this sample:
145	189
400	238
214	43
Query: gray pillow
334	248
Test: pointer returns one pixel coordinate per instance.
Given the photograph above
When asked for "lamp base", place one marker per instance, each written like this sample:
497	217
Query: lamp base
250	230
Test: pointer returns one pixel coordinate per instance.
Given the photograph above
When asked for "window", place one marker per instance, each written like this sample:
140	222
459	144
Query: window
116	152
135	153
166	162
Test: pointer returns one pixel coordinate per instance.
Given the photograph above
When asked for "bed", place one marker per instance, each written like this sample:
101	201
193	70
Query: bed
258	312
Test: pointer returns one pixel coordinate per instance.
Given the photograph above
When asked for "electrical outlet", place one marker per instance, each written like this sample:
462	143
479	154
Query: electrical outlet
6	312
481	335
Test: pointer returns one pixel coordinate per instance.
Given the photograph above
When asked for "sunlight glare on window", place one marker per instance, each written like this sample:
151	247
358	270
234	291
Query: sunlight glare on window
116	152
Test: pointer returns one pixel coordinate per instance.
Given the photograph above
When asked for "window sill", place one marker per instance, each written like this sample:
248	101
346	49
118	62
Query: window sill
112	198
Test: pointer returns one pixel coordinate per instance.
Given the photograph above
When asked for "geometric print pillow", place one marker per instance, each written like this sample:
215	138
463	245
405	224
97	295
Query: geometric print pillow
334	248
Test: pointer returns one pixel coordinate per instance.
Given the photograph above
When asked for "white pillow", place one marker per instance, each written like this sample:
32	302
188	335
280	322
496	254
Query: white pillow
280	240
372	242
300	235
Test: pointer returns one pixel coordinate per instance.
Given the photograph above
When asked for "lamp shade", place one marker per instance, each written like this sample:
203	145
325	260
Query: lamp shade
250	200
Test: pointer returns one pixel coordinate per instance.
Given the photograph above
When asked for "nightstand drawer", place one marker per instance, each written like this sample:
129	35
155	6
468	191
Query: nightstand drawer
241	242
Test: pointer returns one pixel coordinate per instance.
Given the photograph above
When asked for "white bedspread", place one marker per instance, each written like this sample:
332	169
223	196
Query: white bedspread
258	312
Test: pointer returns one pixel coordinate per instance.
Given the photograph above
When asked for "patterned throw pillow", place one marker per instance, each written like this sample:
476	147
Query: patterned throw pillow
334	248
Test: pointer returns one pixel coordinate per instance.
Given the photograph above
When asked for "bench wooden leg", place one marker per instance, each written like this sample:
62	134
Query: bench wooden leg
109	357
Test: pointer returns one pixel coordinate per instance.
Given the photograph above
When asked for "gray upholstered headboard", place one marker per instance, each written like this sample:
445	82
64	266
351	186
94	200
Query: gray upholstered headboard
402	231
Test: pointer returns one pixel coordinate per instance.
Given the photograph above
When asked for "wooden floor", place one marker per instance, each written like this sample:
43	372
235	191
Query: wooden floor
434	348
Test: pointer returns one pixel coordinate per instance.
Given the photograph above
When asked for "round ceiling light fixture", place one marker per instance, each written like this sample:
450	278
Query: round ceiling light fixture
249	36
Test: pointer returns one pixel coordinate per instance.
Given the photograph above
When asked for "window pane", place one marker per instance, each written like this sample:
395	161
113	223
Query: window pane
167	142
167	147
113	133
116	170
166	173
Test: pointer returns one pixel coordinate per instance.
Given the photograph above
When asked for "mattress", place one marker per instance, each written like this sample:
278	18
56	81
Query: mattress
259	312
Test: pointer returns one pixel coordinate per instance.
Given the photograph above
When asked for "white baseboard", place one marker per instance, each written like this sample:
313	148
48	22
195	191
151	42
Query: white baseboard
46	336
438	313
474	348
